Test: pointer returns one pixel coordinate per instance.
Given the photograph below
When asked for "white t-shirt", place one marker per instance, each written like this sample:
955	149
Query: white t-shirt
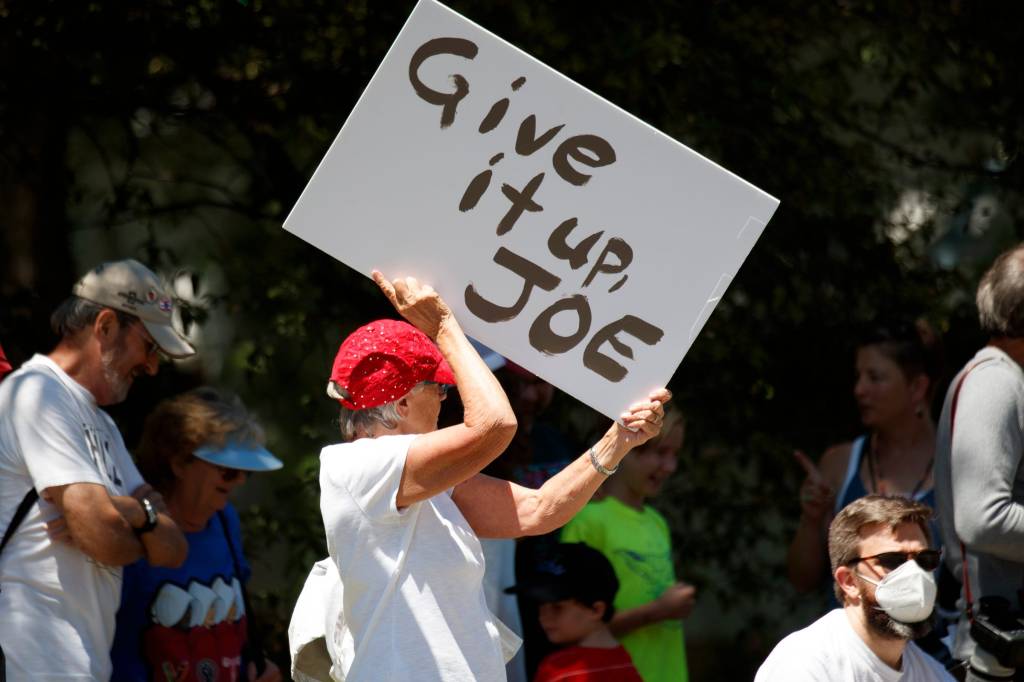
829	650
57	605
413	602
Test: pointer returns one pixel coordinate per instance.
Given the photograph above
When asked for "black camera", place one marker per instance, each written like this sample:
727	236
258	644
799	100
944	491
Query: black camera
1000	631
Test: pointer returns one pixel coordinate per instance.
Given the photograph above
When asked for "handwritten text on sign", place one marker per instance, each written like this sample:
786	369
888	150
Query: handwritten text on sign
564	233
587	150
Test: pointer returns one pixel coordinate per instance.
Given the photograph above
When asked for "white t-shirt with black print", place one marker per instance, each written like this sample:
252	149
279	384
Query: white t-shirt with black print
57	604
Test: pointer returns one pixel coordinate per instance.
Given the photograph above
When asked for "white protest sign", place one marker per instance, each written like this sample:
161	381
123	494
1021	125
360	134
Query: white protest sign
564	233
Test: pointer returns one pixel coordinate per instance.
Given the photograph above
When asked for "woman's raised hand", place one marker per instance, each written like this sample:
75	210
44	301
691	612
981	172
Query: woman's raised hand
418	303
642	421
816	496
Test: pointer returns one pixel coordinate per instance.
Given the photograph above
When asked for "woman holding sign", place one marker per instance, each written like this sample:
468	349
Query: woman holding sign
404	503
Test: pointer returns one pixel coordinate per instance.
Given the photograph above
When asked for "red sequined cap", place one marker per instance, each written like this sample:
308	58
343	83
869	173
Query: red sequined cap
380	362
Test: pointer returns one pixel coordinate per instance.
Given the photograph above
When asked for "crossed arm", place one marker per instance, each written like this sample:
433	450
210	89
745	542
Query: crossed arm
102	526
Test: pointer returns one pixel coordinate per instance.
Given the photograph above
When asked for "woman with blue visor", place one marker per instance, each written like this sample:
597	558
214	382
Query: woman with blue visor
191	622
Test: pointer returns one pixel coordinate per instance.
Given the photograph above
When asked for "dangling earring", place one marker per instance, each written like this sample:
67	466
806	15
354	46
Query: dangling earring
919	411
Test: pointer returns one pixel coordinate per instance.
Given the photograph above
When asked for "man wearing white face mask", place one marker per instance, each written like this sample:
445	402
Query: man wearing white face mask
882	567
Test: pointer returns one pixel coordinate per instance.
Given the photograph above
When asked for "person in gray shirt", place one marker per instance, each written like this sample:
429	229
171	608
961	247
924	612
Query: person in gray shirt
979	483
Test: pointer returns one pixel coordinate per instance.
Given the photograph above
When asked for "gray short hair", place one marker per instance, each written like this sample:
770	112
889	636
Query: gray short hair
352	421
75	314
1000	296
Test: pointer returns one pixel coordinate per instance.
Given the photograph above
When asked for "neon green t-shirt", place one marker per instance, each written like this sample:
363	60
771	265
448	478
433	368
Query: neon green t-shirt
639	547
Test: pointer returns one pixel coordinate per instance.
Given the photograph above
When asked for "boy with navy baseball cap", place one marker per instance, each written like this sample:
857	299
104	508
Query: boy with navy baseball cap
574	587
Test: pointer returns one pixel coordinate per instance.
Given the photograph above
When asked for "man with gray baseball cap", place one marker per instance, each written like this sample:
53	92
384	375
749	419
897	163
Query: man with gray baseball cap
131	287
73	506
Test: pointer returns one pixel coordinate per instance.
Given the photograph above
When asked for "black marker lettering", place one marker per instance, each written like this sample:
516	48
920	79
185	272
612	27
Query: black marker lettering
527	141
573	148
498	110
533	276
558	244
521	201
544	338
595	360
478	185
622	251
447	100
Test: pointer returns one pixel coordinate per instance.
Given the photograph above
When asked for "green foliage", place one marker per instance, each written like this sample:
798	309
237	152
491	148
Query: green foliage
182	133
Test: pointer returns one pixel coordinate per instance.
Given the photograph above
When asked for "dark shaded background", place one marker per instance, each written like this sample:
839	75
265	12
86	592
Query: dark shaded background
182	132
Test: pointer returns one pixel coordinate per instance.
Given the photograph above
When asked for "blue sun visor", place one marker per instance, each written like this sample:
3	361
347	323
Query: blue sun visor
237	456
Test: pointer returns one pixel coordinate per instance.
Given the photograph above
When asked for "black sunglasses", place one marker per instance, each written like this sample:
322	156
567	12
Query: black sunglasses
147	339
228	474
442	389
928	559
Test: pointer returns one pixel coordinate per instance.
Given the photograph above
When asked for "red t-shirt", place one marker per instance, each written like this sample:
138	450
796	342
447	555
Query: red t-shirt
205	652
166	649
588	664
230	638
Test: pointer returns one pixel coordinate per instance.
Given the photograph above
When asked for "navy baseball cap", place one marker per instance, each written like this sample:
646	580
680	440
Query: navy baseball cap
571	571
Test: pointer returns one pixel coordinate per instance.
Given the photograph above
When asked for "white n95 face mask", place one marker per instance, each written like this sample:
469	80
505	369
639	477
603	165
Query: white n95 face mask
907	594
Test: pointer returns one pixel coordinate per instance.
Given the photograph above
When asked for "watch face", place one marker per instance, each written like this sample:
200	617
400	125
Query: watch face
150	514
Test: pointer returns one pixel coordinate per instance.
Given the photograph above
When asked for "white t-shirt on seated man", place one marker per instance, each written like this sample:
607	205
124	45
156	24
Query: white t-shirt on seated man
876	546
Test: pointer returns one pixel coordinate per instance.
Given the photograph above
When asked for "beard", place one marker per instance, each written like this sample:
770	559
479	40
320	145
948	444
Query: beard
118	383
884	625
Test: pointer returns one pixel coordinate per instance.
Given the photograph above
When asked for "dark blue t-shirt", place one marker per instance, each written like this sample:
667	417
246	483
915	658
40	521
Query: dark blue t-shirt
145	633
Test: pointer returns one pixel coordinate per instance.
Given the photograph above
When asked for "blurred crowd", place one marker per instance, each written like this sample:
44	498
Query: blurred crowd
472	533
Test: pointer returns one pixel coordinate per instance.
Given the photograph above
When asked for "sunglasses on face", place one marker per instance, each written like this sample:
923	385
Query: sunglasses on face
442	389
928	559
151	345
229	474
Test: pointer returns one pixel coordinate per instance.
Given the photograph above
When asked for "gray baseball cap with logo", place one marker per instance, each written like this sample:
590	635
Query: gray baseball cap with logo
131	287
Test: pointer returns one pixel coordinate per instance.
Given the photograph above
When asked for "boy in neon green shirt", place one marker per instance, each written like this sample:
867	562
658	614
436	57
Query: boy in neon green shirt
650	604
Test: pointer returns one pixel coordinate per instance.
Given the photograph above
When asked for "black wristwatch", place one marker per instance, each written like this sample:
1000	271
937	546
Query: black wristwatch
150	523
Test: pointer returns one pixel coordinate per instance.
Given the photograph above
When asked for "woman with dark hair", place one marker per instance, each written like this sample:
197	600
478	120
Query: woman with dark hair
895	381
404	503
191	622
895	377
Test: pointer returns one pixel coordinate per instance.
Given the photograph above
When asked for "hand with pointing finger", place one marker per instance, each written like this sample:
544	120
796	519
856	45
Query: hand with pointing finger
816	495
